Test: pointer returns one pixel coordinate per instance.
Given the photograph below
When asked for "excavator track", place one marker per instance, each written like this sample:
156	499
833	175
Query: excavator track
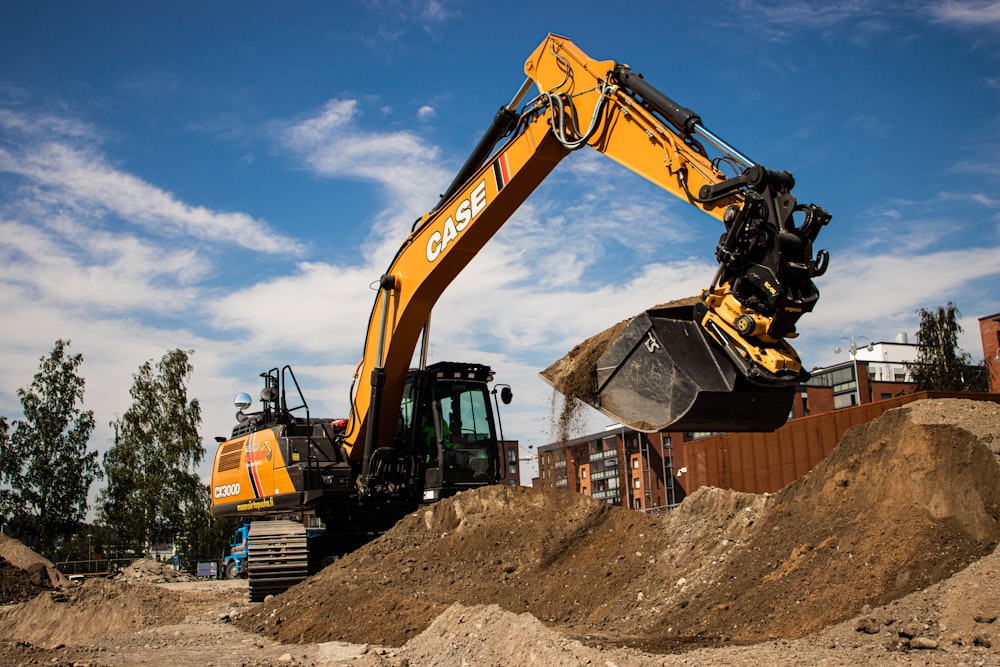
278	557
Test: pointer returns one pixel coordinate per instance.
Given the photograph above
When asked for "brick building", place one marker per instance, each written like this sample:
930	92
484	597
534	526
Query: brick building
989	331
619	466
510	463
874	373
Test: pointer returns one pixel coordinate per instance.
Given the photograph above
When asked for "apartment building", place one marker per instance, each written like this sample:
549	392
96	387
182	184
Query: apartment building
619	466
510	463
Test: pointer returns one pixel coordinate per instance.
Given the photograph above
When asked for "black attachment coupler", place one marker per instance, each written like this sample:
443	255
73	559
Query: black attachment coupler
756	177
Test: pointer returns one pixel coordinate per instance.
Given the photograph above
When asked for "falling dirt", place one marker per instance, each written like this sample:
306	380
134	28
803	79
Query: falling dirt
566	418
575	374
574	377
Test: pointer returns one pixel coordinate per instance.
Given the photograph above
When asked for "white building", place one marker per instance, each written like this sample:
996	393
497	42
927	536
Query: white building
887	361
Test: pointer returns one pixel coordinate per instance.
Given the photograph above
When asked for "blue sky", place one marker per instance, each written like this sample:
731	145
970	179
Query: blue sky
230	177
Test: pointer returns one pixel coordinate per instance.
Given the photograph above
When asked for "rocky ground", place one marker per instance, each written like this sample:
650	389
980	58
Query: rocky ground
883	554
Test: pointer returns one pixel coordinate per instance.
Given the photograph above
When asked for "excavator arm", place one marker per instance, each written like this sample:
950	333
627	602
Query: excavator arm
762	287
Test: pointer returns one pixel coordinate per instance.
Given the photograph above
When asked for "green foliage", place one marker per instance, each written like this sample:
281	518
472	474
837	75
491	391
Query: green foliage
44	463
940	365
88	541
153	493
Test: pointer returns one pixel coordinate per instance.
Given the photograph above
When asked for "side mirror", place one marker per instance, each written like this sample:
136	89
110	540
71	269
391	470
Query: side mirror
242	401
506	395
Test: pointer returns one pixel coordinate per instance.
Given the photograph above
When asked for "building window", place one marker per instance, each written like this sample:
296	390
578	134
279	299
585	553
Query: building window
513	482
637	483
635	463
511	455
845	400
513	468
583	473
886	397
638	503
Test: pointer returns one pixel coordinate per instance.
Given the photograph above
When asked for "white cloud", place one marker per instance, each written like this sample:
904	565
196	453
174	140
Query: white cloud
58	160
81	269
404	167
45	125
973	14
806	14
985	168
309	132
320	309
877	295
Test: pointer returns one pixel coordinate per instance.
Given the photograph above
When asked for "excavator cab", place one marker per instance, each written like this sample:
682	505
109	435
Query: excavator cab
447	421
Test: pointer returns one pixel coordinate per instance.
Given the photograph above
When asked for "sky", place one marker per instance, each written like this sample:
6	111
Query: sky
231	177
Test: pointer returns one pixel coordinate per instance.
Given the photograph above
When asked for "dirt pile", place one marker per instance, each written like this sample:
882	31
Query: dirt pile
152	572
96	608
16	585
903	502
489	635
41	571
507	576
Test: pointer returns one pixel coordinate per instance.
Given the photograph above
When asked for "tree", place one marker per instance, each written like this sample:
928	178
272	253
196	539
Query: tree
44	464
88	542
153	492
940	365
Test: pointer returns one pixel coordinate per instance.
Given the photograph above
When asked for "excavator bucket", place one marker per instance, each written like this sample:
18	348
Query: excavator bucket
661	370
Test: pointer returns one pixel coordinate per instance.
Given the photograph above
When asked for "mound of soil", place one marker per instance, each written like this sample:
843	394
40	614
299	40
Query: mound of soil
17	585
41	571
489	635
153	572
903	502
96	608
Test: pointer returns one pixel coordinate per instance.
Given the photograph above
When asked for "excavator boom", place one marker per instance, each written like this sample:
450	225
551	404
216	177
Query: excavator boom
720	364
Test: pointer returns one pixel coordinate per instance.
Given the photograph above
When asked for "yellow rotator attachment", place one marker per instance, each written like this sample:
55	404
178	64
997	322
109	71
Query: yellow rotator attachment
743	333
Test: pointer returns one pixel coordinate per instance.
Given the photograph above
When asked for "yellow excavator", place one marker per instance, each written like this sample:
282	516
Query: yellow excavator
415	435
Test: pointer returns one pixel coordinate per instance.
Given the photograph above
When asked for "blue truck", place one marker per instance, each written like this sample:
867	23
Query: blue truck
235	562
